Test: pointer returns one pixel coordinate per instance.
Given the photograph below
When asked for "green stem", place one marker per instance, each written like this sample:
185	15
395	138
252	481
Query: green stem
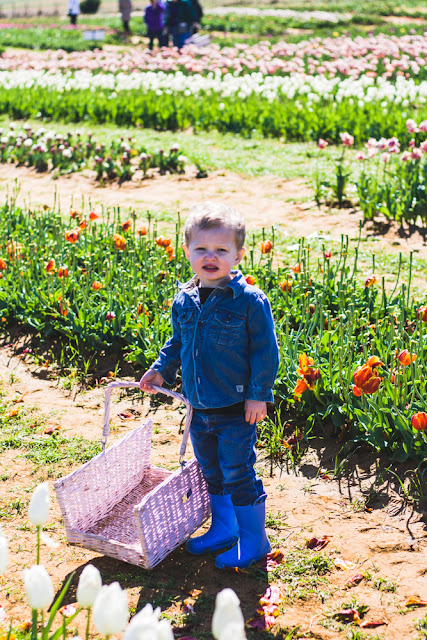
38	544
87	623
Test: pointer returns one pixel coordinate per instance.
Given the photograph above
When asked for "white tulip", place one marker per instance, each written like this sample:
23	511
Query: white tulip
38	511
38	587
90	583
110	609
232	631
4	552
227	611
164	630
143	625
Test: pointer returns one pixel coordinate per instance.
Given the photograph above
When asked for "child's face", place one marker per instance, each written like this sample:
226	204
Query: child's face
212	254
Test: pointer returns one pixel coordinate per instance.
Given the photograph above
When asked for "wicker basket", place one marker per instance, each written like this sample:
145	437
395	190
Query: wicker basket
120	505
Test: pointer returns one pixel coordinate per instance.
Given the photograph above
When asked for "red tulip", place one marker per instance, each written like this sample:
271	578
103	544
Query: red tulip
419	421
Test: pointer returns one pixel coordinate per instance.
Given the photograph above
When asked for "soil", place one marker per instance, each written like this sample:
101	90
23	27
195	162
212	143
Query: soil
264	201
386	537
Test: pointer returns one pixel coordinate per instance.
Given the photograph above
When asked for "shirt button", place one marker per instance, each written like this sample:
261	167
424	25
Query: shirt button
198	380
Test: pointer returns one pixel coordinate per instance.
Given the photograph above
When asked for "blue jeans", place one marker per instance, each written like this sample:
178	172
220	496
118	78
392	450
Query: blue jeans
178	39
224	446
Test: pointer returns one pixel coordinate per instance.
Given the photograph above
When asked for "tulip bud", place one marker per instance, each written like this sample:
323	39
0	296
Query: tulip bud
38	511
110	609
232	631
38	587
90	583
419	421
4	553
227	611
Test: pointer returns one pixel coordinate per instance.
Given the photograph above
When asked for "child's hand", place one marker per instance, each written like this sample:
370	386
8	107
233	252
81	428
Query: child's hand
255	411
150	377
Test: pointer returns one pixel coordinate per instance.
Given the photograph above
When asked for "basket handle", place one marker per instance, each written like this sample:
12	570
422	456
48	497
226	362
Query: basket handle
121	383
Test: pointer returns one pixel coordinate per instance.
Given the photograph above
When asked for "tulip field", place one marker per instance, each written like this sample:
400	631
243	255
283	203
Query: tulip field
352	352
312	118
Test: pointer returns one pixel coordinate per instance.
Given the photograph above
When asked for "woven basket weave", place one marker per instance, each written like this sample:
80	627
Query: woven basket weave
122	506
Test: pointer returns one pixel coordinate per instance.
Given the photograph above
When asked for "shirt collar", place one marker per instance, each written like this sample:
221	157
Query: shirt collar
236	284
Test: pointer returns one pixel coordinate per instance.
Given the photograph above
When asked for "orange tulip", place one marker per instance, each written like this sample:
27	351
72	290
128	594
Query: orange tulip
286	285
50	267
300	387
422	314
265	247
311	309
372	385
311	377
370	280
169	250
304	364
2	264
72	236
119	242
63	272
357	392
126	225
97	285
250	279
63	310
163	242
366	380
296	268
374	362
74	214
419	421
93	215
328	255
142	231
405	358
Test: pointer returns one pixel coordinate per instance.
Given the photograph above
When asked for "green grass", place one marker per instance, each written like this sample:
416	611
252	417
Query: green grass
24	432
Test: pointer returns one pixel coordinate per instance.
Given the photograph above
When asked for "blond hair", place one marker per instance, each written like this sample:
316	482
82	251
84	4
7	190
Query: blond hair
212	215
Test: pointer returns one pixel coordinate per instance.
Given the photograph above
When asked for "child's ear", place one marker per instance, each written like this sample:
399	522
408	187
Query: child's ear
240	255
186	250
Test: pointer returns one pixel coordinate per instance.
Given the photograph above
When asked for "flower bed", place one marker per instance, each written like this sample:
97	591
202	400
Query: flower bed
352	353
68	153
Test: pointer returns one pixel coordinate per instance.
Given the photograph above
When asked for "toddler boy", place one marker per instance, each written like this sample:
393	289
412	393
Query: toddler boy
225	342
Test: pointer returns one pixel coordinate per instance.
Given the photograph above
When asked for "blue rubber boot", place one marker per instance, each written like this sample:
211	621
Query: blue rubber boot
253	544
224	531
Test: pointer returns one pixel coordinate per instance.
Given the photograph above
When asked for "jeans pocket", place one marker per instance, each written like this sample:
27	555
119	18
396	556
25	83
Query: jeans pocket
226	327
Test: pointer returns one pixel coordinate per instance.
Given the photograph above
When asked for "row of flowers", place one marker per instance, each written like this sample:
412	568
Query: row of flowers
66	153
382	56
311	89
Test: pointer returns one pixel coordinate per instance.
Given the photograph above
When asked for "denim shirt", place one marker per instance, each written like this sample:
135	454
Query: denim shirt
227	349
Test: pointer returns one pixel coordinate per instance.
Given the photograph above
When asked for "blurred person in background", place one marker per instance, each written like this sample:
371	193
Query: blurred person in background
125	8
180	20
73	10
154	18
199	15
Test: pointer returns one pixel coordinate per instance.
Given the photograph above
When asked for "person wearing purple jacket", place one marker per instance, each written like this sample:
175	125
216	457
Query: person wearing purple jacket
154	19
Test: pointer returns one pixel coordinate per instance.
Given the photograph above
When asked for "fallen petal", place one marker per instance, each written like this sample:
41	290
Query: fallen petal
269	610
194	593
345	565
358	577
271	596
415	600
262	624
68	610
371	624
316	544
123	415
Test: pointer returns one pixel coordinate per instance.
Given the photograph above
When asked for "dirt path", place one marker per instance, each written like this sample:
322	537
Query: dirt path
388	543
264	201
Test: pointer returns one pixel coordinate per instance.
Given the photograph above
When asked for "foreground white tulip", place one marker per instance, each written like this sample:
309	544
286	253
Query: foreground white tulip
144	625
110	609
164	630
89	586
4	552
227	611
232	631
38	511
38	587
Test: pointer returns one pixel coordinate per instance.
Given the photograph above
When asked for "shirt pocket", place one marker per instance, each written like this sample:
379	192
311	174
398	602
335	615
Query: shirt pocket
186	323
226	327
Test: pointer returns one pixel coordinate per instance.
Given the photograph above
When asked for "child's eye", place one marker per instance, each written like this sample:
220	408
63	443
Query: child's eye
223	250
